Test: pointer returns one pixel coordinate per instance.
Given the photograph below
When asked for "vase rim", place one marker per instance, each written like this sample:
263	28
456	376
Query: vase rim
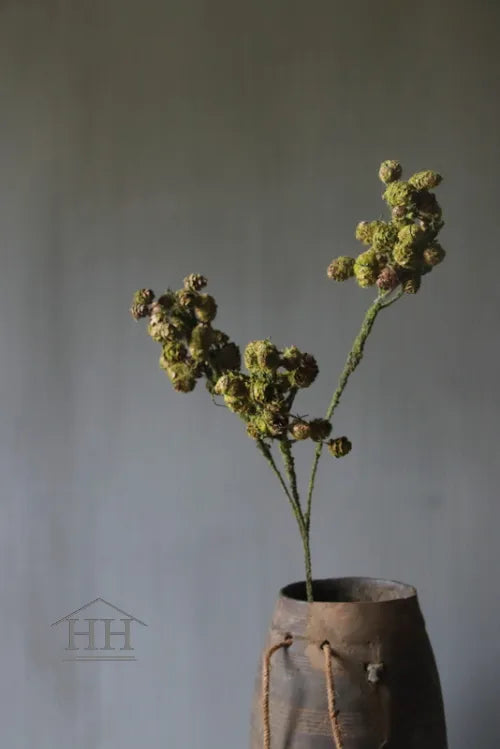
349	590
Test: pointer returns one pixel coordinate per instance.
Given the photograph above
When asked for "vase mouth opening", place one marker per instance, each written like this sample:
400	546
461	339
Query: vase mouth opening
350	590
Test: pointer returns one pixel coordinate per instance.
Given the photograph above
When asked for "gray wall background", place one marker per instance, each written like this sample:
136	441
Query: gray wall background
141	141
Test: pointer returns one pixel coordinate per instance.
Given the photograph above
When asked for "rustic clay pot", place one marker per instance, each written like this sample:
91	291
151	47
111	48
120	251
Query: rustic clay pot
386	683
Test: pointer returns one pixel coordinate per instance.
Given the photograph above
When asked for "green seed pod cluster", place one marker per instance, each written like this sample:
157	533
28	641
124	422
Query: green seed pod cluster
265	395
181	322
339	447
403	249
191	349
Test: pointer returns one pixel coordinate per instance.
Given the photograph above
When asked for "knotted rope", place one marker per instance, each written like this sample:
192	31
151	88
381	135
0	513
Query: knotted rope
330	691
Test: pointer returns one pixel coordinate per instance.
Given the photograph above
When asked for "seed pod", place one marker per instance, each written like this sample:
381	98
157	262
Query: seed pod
341	268
158	313
339	447
320	429
405	255
205	308
237	405
300	430
384	236
365	231
399	194
162	332
250	356
167	300
389	171
174	352
306	372
195	282
187	298
412	284
411	235
261	390
434	254
253	430
275	420
227	358
181	376
291	357
220	338
398	212
233	384
140	303
425	180
366	268
388	279
201	339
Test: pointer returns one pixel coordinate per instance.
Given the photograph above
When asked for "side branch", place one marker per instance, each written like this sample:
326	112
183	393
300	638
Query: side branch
353	359
266	452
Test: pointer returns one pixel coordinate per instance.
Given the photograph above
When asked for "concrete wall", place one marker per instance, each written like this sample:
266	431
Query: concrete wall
144	140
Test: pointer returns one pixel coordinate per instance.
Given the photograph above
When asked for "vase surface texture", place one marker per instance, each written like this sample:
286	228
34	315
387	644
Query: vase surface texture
385	681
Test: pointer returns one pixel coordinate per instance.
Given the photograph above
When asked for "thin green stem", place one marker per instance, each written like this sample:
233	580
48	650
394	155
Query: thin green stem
289	462
353	359
266	452
292	493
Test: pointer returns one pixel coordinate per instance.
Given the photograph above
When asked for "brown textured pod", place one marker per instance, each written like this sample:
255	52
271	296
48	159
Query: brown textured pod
387	690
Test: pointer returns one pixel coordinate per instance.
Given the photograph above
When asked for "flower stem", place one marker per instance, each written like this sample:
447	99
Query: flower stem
353	359
289	462
266	452
292	493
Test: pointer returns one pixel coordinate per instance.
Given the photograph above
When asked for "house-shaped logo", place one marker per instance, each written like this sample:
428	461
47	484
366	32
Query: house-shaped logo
103	633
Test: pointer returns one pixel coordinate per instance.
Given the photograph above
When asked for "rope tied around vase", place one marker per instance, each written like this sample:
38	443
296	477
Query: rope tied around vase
330	691
266	674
